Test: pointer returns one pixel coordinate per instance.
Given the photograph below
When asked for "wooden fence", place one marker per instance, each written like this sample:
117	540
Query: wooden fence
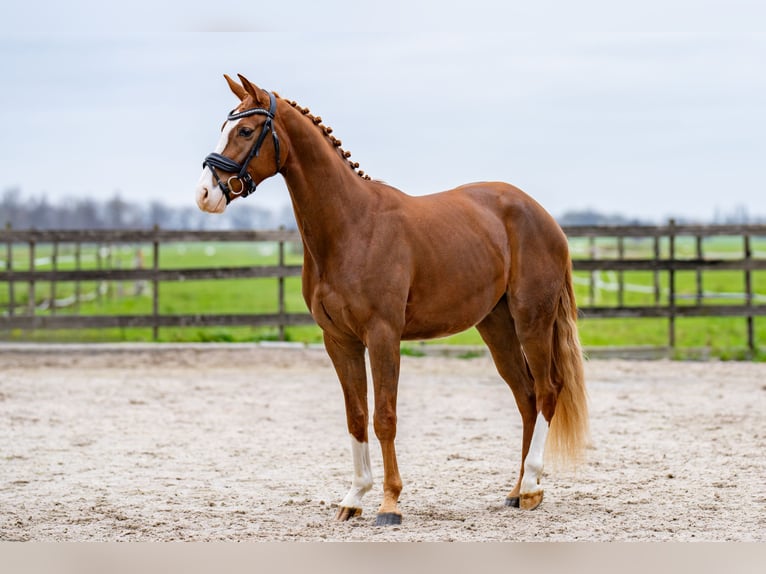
666	261
607	249
31	318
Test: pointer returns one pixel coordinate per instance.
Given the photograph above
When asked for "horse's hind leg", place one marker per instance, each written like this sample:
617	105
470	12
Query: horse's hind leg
534	320
499	333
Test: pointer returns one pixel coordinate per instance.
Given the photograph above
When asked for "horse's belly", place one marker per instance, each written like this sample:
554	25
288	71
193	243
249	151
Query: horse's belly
434	328
422	331
445	313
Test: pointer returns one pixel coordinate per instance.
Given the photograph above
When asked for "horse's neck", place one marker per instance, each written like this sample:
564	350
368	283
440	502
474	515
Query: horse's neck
329	198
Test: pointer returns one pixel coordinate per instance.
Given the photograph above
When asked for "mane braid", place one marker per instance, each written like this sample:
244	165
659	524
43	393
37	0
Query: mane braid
327	131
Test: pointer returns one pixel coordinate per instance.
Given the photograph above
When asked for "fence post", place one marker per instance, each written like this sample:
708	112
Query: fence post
54	268
699	271
77	266
9	268
657	270
99	266
110	265
31	290
749	295
621	273
281	288
156	284
593	274
672	284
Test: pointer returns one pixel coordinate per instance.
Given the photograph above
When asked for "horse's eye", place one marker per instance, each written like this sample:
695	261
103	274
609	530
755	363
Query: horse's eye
245	132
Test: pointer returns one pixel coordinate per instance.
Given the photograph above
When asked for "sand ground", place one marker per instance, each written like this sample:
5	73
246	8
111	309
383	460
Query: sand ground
248	443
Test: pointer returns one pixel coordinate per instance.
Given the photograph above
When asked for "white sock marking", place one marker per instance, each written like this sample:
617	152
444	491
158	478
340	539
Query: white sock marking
533	464
362	481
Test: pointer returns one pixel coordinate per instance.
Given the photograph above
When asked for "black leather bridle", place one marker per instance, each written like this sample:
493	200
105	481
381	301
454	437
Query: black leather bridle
242	177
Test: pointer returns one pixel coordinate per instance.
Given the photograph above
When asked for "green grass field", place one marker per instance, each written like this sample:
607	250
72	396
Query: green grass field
724	337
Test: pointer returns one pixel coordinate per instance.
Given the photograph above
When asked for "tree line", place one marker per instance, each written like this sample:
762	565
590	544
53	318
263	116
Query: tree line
38	212
25	212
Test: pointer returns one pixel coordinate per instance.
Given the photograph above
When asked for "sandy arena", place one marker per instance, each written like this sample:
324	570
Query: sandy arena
248	443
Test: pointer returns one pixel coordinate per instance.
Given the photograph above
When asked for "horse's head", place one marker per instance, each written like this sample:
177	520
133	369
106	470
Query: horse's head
247	153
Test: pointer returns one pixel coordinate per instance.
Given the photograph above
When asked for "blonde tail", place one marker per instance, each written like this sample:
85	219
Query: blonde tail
568	435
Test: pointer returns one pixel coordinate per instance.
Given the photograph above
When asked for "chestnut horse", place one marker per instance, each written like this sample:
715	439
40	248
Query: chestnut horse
381	266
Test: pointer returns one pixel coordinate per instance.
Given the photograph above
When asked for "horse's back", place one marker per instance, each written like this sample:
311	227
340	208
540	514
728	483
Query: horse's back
516	208
525	223
538	251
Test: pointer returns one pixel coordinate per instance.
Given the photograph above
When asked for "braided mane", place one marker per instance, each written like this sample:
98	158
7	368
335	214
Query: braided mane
327	131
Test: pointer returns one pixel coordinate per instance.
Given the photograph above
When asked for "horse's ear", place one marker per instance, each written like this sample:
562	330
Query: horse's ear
238	90
250	88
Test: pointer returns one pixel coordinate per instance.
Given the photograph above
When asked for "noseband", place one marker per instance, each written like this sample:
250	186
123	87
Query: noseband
243	179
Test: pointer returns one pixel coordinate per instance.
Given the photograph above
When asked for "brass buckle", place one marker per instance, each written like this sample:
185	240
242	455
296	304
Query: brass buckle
235	192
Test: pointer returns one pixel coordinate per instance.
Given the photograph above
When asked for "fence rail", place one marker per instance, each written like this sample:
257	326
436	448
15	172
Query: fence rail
664	262
671	264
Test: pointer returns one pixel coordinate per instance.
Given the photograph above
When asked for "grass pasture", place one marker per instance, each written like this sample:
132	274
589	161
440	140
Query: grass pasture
724	337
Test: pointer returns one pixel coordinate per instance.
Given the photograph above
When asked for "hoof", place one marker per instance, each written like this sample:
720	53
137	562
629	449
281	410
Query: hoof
531	500
346	513
512	501
388	519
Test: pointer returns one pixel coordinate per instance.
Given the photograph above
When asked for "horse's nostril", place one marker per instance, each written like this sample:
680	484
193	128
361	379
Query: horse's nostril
205	193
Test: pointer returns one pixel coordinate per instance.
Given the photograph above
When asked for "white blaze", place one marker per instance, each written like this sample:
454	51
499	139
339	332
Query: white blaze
362	481
209	195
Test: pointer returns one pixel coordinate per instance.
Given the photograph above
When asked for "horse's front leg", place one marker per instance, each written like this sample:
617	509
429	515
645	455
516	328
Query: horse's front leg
383	346
348	360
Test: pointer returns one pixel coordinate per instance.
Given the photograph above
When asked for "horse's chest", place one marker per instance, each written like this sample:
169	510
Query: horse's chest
330	308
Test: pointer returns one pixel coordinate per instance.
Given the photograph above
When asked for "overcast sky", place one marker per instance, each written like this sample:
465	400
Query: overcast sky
649	109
